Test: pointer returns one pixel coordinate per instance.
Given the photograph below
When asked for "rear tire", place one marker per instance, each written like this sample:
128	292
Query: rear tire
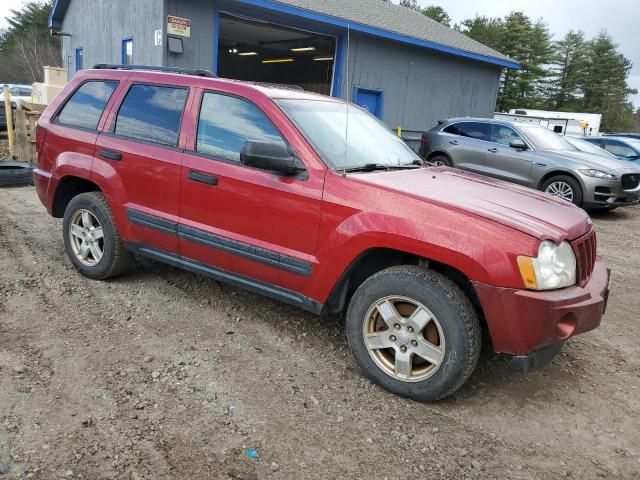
91	238
564	187
441	161
427	364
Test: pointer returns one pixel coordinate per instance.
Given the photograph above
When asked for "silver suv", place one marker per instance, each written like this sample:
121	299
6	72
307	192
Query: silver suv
533	156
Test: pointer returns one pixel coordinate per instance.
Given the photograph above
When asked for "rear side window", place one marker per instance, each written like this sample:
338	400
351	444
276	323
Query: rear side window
152	113
226	123
86	105
476	130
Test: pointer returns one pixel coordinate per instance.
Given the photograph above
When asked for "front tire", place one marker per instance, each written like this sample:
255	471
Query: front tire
441	161
564	187
414	332
91	239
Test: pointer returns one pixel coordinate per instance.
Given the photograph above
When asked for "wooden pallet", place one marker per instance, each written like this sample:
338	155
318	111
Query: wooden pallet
27	115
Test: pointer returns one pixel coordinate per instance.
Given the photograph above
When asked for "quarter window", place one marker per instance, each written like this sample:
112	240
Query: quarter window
475	130
152	113
503	135
227	123
86	105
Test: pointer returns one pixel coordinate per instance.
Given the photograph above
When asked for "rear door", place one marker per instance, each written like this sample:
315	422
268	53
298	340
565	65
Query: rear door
258	224
140	154
508	163
467	143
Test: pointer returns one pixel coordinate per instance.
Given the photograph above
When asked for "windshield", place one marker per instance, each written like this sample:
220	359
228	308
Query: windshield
324	124
545	139
589	147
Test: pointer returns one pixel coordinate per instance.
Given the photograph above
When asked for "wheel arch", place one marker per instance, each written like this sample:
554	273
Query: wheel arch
68	187
438	153
557	172
376	259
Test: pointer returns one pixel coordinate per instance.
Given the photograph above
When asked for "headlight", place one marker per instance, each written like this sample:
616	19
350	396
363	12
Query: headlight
598	174
554	267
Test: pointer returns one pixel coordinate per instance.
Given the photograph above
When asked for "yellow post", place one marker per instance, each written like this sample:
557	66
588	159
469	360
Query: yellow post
400	132
7	110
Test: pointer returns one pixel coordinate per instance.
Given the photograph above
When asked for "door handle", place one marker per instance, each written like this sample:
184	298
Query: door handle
493	150
453	142
110	154
203	178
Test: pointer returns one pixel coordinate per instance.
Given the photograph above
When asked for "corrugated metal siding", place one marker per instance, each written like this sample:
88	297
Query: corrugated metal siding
420	86
198	49
98	27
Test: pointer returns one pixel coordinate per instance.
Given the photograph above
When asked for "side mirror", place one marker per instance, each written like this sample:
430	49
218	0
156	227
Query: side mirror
518	144
272	157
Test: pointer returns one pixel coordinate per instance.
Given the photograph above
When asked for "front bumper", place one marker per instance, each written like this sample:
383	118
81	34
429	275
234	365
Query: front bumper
608	193
525	321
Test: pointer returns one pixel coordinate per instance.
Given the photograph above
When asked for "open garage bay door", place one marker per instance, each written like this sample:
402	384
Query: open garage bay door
259	51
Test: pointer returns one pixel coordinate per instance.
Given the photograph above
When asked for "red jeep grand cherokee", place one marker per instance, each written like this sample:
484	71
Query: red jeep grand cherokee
262	187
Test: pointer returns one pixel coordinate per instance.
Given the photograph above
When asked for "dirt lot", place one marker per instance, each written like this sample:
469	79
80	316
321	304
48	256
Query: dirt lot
162	374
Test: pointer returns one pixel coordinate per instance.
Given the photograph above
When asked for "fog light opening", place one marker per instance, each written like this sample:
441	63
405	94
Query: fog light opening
566	326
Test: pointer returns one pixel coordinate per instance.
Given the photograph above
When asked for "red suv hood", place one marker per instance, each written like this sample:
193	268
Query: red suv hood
521	208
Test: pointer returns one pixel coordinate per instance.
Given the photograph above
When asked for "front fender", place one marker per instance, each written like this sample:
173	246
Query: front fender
480	249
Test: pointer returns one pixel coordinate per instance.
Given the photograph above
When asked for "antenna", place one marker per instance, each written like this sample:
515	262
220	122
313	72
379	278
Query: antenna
346	128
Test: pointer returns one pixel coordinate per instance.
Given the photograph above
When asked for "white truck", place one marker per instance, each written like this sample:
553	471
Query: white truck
564	123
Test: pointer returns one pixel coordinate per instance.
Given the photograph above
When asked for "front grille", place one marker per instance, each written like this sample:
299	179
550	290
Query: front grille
630	181
585	250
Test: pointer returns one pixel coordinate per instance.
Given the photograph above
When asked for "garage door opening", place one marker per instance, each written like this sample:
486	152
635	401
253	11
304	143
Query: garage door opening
258	51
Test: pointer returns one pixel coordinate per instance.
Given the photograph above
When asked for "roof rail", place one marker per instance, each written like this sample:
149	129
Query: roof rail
182	71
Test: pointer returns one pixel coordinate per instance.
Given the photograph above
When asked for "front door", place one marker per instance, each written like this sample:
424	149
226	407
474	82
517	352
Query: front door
255	223
506	163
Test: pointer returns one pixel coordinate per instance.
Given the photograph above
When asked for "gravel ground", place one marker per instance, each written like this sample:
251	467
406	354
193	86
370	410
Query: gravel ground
162	374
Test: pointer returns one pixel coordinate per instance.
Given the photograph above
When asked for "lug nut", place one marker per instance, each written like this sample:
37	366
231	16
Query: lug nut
403	349
392	338
410	329
414	343
397	326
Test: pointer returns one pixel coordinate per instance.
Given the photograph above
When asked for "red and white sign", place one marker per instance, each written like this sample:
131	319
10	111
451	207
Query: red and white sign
180	27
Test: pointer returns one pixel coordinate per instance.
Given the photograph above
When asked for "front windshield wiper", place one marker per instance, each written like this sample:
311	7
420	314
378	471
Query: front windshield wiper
371	167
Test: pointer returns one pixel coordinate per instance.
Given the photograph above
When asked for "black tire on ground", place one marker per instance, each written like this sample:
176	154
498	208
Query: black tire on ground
572	182
116	258
454	312
15	174
441	160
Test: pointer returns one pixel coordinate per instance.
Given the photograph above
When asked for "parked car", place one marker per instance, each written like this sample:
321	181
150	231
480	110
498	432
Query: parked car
263	188
588	147
533	156
623	148
623	134
17	92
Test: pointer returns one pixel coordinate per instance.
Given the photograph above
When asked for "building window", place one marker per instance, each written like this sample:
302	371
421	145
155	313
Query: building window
152	114
79	64
127	51
227	123
86	105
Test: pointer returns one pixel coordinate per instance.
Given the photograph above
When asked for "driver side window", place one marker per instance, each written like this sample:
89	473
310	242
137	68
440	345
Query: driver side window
227	122
504	135
618	148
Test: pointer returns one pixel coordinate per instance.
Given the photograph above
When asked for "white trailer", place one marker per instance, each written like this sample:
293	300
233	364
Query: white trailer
564	123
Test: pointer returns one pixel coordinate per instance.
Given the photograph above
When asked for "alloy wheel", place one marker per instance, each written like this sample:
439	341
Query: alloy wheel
404	338
87	237
561	190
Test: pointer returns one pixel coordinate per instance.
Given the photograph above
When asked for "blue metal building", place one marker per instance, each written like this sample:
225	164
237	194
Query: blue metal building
404	67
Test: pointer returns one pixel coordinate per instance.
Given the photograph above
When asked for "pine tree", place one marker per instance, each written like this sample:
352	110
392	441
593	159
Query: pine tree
567	72
438	14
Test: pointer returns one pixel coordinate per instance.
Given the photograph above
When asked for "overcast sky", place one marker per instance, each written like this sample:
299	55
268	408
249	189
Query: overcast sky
621	18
